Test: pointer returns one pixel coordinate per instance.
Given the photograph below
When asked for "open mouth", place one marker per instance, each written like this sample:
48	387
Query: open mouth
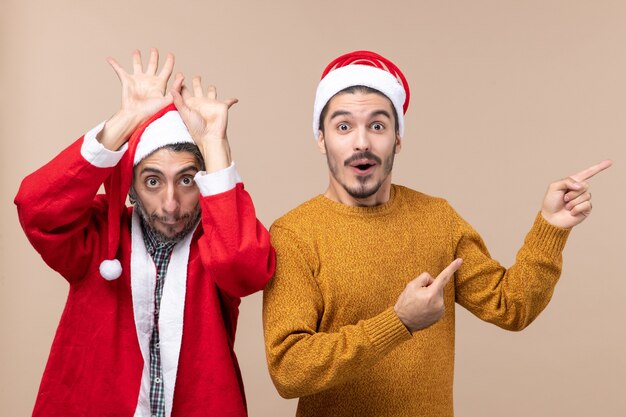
363	166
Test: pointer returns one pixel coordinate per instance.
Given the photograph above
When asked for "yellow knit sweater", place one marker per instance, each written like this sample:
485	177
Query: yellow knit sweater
332	337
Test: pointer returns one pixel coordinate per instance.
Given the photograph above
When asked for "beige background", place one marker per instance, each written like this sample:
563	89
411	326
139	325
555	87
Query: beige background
506	97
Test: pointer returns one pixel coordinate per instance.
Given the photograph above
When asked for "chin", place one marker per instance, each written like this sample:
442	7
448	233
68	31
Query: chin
361	194
170	233
361	191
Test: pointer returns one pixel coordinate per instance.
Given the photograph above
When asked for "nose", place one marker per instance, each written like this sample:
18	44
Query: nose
171	202
361	140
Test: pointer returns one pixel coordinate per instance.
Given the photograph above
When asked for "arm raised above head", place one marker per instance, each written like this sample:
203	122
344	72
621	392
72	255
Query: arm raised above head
143	94
206	118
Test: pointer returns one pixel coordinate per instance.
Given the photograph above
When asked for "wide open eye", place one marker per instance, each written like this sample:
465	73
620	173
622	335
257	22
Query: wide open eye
378	126
187	180
343	127
152	182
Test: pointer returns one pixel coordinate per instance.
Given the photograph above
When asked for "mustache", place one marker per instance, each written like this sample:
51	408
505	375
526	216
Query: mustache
362	155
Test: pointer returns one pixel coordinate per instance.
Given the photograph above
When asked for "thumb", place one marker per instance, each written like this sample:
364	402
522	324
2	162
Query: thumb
178	82
230	102
178	100
423	280
565	184
119	71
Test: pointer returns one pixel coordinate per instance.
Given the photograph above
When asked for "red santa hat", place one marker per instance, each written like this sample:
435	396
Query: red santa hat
164	128
364	68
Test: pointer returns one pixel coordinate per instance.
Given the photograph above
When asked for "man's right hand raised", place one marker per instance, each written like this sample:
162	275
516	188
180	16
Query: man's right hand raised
143	94
421	303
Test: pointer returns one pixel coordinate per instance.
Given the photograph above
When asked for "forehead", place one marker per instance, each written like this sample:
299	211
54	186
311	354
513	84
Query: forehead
167	158
359	103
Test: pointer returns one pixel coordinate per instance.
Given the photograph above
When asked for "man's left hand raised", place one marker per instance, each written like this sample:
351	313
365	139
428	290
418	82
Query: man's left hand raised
568	201
206	118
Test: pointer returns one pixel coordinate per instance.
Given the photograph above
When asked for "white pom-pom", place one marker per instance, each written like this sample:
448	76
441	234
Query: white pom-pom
110	269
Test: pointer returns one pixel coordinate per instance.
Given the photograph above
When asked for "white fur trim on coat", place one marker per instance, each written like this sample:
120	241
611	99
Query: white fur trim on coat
96	154
217	182
171	316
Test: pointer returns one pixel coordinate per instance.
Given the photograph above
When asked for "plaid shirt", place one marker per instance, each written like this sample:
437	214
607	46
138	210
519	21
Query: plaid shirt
160	253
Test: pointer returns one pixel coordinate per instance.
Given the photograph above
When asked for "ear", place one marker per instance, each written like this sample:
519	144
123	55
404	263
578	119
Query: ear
398	143
321	144
132	194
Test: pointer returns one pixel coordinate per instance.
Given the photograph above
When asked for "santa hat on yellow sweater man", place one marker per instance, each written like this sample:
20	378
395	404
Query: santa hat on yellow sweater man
368	69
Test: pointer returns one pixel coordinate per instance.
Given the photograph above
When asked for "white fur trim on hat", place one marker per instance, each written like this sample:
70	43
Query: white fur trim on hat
168	129
352	75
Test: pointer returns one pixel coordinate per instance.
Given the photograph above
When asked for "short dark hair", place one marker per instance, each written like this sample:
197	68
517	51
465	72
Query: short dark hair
192	148
353	90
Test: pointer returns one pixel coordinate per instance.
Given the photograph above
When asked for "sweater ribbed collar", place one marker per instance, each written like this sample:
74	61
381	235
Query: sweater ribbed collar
379	210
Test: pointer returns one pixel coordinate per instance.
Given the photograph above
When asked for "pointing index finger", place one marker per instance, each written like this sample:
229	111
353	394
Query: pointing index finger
585	174
444	276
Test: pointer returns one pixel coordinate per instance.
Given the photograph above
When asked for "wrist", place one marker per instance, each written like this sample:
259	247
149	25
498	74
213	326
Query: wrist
546	216
216	154
118	129
402	319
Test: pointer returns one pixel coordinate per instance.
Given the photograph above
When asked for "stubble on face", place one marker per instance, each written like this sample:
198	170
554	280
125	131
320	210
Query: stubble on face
365	188
170	236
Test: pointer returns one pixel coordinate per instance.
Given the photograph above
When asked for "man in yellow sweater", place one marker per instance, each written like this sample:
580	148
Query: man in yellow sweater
353	325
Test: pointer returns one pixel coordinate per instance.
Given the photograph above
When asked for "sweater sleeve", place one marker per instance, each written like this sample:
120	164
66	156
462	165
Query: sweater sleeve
60	213
509	298
302	360
235	245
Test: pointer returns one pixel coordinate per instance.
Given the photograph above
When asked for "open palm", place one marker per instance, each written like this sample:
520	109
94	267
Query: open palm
143	92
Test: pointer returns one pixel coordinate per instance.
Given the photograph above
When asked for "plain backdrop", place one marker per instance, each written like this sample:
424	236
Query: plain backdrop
507	96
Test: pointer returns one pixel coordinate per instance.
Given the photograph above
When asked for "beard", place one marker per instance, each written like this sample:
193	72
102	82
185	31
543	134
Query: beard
364	188
190	220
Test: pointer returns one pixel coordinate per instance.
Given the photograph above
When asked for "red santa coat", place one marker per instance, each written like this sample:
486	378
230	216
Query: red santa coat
96	365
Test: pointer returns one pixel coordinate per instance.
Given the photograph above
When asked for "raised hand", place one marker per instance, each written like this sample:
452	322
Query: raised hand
206	118
421	303
143	94
568	201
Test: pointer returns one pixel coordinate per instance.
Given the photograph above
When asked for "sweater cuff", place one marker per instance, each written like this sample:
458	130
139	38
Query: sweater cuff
386	330
96	154
547	238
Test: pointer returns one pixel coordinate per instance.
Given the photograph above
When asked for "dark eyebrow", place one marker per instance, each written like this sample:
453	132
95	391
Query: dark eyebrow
381	113
373	114
338	113
188	168
150	170
191	168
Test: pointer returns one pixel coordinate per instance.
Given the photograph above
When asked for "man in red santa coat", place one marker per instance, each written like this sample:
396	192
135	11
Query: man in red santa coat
149	324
